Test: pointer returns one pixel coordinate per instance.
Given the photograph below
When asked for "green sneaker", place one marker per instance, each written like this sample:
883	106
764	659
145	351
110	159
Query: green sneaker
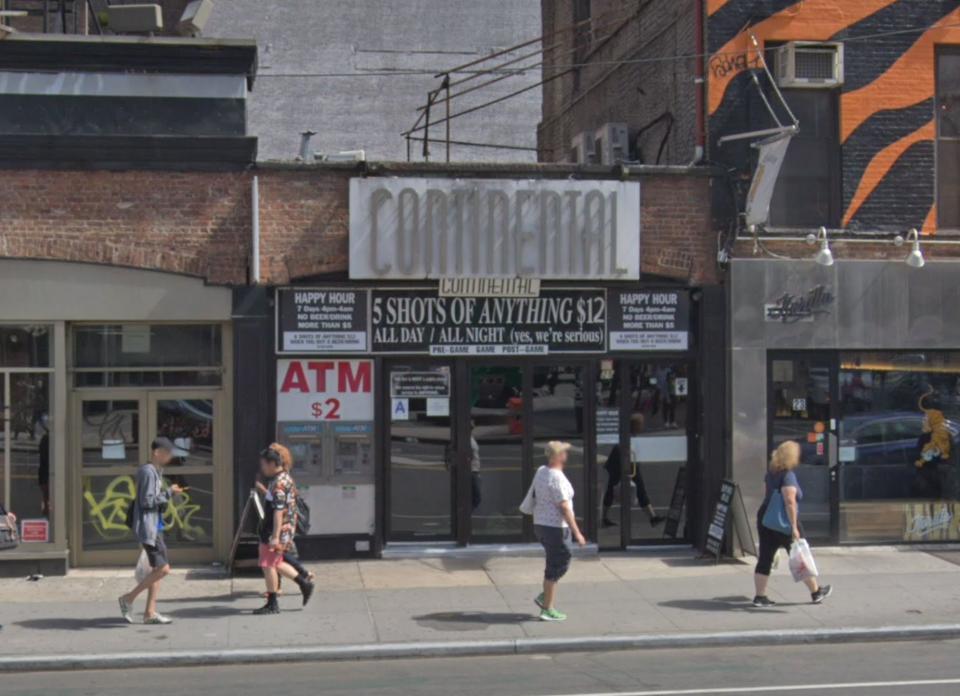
552	615
538	600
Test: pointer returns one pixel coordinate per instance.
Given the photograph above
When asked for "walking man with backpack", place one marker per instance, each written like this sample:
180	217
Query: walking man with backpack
146	520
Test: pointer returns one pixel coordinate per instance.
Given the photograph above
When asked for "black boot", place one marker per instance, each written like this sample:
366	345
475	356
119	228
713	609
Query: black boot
306	588
271	607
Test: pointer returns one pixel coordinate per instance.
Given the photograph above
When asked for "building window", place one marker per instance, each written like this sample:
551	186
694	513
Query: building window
807	193
948	138
899	446
147	355
26	375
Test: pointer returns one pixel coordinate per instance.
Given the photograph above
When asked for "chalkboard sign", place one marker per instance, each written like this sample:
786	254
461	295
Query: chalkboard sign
729	509
677	500
720	522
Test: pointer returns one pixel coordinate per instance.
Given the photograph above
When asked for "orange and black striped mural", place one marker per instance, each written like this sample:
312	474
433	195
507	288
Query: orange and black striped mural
886	105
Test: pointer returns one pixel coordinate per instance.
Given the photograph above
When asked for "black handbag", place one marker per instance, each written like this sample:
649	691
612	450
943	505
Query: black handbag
9	539
303	515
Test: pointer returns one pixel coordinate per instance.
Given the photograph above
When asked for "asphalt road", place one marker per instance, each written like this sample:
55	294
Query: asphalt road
877	669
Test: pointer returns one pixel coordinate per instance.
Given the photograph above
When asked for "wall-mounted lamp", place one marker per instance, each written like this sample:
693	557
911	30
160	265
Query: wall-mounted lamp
915	257
824	257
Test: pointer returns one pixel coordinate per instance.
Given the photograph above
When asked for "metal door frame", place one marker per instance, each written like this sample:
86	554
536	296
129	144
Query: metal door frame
146	400
693	463
831	360
384	440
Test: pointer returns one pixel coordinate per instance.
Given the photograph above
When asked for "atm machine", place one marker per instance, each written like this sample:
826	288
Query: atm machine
333	469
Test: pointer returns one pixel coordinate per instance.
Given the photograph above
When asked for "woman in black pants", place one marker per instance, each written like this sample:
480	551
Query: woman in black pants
781	476
614	474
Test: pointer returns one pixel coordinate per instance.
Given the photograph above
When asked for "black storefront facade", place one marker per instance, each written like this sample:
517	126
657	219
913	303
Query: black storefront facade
417	398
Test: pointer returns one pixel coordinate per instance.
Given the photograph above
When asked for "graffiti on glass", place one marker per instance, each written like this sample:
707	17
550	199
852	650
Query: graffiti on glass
107	511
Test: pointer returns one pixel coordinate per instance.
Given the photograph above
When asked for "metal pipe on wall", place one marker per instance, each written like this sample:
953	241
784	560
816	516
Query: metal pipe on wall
699	79
255	226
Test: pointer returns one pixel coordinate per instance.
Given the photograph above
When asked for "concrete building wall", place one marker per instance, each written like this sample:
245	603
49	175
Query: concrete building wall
366	40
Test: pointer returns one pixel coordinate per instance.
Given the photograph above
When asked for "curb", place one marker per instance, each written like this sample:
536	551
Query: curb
518	646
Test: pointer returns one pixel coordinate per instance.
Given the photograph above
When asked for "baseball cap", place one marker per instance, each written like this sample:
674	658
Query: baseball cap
181	447
162	443
555	447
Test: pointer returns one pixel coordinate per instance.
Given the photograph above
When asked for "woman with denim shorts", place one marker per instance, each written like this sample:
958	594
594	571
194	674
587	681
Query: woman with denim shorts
554	524
278	526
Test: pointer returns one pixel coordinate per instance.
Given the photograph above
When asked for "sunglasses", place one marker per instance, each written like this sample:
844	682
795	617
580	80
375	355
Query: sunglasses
271	455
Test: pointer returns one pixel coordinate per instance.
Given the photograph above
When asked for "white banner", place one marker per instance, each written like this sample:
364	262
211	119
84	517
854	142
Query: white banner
322	390
418	228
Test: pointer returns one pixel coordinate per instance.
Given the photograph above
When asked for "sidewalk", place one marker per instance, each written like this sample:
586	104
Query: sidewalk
451	600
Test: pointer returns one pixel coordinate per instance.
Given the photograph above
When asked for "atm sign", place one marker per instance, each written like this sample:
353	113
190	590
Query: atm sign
324	390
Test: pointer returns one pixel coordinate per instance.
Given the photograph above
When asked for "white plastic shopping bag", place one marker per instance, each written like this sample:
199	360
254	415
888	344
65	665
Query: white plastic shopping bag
802	565
528	502
143	567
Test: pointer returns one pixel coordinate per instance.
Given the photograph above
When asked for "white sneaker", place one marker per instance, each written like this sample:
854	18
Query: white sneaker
125	610
158	619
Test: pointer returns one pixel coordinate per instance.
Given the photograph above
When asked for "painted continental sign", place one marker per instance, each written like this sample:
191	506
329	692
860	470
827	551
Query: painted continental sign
886	104
432	228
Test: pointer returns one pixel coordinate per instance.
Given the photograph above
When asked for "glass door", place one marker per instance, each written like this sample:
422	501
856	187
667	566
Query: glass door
648	402
421	452
188	419
801	407
495	452
557	413
109	444
112	435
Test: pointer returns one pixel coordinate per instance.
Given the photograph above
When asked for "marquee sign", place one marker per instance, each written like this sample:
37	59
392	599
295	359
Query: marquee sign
425	321
418	228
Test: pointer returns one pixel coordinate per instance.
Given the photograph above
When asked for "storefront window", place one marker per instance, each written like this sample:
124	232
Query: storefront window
898	451
25	346
147	355
25	429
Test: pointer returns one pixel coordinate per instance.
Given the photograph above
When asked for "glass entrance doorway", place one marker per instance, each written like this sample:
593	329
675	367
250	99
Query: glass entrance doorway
464	440
496	442
420	452
642	440
802	407
113	431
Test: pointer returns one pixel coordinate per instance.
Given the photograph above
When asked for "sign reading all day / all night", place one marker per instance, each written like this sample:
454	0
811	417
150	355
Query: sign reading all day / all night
420	321
321	320
649	320
326	320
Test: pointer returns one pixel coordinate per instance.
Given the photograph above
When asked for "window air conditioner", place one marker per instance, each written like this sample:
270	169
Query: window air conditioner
612	143
582	149
810	64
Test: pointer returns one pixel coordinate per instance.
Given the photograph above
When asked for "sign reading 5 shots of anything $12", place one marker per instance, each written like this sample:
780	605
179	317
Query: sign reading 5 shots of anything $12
432	228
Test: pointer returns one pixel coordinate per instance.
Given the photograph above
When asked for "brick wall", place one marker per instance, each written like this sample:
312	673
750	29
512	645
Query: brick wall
199	224
885	106
192	223
677	240
634	93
